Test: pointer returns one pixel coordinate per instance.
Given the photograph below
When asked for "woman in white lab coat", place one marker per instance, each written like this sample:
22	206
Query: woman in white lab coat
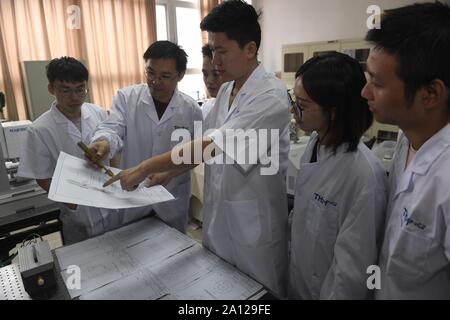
340	194
68	121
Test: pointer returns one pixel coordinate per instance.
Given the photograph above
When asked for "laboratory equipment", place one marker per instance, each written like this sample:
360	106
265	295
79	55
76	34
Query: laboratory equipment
11	285
36	267
23	203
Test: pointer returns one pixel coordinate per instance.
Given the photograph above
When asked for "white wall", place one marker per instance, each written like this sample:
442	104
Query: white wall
297	21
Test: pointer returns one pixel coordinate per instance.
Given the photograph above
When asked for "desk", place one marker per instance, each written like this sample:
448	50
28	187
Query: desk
149	260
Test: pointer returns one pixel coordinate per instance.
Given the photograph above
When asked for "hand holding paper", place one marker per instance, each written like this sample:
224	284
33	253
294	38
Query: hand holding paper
74	181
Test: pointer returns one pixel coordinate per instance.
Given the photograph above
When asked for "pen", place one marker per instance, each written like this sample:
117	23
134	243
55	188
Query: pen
94	158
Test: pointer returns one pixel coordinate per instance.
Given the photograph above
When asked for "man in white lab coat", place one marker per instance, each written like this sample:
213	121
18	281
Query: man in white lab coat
211	78
245	208
68	121
409	86
142	120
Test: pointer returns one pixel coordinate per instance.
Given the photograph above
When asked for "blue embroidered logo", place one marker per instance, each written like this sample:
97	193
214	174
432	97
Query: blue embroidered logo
323	201
406	220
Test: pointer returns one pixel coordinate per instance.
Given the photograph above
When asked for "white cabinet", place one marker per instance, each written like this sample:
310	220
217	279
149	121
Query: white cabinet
294	55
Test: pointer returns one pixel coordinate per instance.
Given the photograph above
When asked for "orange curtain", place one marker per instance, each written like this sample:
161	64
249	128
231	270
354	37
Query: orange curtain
117	34
111	37
205	7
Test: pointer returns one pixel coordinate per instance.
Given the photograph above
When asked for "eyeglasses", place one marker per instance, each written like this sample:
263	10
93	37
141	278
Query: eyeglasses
298	110
161	78
80	92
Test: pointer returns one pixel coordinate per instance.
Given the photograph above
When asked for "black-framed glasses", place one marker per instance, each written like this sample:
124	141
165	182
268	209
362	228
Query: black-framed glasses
80	92
160	78
298	110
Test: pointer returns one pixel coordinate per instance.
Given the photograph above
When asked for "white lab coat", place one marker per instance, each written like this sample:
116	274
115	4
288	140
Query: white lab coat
207	107
415	257
245	213
50	134
134	130
337	221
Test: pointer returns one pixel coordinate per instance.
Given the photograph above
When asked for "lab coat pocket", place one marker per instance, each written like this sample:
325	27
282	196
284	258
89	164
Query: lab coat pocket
247	226
323	223
409	258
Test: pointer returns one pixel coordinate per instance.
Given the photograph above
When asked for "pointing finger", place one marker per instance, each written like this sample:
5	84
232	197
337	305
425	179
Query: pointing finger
112	180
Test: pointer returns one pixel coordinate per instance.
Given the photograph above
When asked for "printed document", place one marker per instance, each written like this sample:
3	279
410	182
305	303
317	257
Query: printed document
75	181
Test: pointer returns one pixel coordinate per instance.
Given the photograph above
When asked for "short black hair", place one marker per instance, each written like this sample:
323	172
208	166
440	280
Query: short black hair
237	19
419	37
206	51
334	81
66	69
167	50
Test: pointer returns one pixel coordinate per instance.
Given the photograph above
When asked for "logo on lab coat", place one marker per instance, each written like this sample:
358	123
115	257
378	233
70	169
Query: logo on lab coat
324	202
406	220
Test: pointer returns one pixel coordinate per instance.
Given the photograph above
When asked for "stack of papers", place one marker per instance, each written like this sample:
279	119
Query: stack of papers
150	260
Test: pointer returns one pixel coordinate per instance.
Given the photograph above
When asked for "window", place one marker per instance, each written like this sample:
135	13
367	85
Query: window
179	21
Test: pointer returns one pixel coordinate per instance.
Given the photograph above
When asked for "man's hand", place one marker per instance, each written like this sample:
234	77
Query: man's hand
162	178
129	178
99	148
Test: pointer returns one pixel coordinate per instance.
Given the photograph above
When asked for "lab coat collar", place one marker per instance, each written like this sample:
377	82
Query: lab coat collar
430	151
61	118
306	167
423	159
57	115
323	153
150	109
245	89
256	74
72	130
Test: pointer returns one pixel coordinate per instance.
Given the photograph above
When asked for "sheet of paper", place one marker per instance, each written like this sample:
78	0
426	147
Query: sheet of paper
150	260
197	274
141	285
99	271
74	181
116	254
191	274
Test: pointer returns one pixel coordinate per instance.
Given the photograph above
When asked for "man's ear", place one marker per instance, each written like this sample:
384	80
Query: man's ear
434	94
251	49
51	89
181	75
